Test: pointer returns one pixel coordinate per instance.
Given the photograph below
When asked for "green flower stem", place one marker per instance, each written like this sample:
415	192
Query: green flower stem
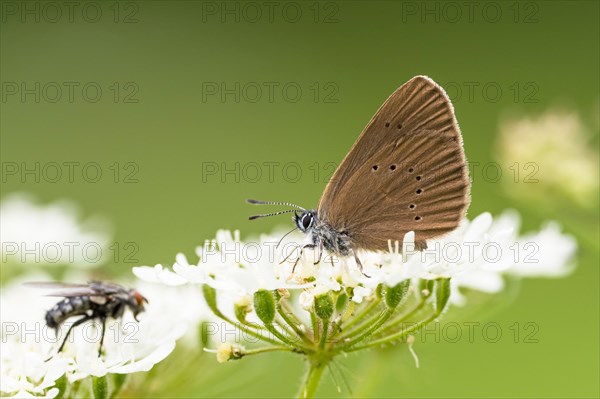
289	331
361	315
245	329
288	317
393	323
268	349
396	336
271	328
315	326
312	379
323	339
382	319
361	328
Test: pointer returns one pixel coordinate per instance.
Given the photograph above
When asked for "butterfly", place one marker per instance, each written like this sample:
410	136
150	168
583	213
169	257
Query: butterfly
407	171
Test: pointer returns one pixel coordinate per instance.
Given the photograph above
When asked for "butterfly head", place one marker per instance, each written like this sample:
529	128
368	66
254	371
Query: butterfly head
305	220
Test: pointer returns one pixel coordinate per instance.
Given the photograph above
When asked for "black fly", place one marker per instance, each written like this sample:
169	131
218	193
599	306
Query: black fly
96	300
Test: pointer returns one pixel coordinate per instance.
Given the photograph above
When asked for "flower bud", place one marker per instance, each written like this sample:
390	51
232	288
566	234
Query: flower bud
342	302
306	301
227	351
426	288
324	306
394	295
100	387
264	304
242	306
379	291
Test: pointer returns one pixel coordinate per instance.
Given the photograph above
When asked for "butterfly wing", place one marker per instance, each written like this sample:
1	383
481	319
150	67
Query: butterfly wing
406	172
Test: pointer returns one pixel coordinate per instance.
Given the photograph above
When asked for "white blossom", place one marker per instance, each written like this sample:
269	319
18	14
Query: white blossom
477	255
129	346
549	153
51	234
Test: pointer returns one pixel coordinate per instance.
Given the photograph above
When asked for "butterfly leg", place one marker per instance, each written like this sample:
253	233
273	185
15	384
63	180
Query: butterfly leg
288	256
103	321
360	266
320	254
300	255
78	322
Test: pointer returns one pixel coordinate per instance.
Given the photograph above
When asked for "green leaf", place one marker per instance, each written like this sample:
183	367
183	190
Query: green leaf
264	305
394	295
100	387
442	294
324	306
210	296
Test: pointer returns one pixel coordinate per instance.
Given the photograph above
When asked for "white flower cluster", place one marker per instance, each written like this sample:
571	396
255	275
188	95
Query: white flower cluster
476	255
30	365
129	346
51	234
529	148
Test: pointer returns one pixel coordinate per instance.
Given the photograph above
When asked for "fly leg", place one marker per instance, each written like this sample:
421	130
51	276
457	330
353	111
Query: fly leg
103	321
78	322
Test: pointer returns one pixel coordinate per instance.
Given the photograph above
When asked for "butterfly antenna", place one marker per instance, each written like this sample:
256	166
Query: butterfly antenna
264	215
257	202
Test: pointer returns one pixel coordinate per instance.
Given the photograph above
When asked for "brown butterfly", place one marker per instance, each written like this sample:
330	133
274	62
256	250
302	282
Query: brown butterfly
406	172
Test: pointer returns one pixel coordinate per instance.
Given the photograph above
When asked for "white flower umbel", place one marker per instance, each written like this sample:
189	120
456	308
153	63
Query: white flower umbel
129	346
548	154
322	307
51	234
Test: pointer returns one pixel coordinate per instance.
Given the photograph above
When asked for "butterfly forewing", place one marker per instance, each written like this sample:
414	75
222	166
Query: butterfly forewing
406	172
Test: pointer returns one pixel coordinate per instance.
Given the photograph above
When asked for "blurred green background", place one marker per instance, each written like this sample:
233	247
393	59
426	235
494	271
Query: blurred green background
179	105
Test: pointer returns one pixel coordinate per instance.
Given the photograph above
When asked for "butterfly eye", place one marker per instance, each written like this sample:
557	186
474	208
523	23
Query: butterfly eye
306	221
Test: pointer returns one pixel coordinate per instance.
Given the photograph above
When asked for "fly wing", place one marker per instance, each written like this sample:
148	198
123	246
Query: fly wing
93	288
406	172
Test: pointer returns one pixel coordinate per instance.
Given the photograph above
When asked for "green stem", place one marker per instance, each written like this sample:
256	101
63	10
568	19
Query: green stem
361	328
361	315
268	349
396	336
279	335
292	323
403	317
324	334
312	379
315	326
241	327
382	319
